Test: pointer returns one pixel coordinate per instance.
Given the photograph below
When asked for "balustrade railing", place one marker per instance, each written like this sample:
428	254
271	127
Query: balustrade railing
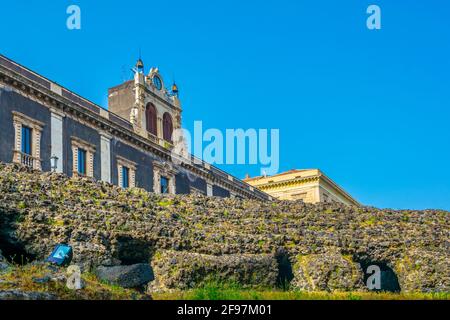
27	160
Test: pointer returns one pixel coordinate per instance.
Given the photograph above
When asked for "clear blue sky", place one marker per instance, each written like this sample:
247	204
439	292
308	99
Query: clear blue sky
369	108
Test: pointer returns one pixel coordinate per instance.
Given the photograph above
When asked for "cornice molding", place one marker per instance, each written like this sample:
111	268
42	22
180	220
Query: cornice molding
286	183
304	180
20	117
127	163
80	143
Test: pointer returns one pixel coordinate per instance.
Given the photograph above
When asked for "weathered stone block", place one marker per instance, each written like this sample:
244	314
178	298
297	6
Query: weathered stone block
329	271
133	276
423	270
184	270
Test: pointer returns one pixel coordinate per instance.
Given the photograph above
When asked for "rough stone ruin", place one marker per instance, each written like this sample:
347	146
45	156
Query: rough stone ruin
189	240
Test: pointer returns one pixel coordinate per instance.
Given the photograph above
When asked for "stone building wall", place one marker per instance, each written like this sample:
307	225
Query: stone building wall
121	99
220	192
10	101
144	163
73	128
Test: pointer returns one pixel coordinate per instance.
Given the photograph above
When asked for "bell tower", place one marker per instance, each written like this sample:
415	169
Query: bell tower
132	100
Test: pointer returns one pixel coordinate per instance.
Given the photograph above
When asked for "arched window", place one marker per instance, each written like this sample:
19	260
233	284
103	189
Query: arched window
150	114
167	127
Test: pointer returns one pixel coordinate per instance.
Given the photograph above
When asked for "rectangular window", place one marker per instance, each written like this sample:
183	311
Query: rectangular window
125	177
26	140
81	161
164	185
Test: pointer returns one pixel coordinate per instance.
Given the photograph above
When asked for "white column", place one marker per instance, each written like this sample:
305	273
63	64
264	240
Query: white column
156	181
209	190
172	185
159	126
57	139
105	157
317	195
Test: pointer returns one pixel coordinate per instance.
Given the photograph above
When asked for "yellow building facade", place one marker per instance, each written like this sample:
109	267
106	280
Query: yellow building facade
311	186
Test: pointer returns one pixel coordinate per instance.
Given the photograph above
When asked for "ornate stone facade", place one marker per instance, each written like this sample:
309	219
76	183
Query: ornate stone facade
133	99
311	186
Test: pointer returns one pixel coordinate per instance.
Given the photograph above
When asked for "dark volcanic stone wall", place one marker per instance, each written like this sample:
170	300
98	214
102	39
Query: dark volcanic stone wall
325	247
220	192
184	270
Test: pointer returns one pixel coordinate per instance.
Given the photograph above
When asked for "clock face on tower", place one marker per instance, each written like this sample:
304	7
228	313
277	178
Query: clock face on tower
157	82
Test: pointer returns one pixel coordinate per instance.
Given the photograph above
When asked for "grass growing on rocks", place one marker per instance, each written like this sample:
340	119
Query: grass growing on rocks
23	278
214	291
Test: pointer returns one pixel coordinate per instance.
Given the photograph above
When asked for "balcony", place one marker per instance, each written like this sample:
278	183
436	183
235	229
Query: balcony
152	137
27	160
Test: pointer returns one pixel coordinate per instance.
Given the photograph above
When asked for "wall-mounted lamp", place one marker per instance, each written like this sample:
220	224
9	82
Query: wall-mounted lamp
54	163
